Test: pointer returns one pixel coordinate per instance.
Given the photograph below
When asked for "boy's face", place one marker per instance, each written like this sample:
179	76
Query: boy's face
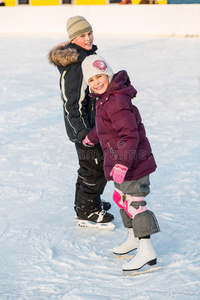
99	83
84	40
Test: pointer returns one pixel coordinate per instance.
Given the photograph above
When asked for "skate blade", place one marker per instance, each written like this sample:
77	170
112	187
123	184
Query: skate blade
123	256
101	226
138	272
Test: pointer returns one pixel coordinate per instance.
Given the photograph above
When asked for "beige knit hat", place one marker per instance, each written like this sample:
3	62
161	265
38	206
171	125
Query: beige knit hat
76	26
94	65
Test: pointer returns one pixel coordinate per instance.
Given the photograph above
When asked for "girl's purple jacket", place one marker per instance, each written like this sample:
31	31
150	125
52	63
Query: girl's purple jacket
120	130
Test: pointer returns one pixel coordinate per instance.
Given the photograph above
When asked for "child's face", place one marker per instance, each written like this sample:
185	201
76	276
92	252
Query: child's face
99	83
84	40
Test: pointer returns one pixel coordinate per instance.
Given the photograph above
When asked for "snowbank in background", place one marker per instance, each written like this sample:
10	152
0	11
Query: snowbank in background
179	20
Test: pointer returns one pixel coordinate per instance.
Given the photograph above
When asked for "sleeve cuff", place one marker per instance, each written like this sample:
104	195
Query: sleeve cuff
82	134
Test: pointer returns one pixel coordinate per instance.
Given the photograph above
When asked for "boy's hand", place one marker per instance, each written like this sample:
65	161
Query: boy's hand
118	173
86	142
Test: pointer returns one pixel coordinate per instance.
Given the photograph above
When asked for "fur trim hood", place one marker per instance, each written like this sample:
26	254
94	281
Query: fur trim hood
61	55
67	53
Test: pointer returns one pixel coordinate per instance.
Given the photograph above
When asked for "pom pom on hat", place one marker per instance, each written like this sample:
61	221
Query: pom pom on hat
94	65
76	26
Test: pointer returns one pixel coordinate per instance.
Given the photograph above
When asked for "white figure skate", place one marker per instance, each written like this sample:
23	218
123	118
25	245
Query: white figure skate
129	245
145	255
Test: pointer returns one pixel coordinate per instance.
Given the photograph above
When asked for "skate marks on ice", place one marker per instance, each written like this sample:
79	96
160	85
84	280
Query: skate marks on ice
4	227
43	254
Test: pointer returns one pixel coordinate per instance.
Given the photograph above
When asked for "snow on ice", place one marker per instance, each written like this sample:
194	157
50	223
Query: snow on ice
43	255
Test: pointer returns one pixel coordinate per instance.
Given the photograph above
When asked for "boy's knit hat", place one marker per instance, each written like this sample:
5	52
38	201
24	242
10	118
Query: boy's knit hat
76	26
94	65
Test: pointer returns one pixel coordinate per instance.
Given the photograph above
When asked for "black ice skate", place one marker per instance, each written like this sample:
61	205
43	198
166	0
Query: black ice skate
105	205
98	220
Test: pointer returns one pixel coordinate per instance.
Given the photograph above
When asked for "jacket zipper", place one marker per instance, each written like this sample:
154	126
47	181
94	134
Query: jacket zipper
111	150
92	113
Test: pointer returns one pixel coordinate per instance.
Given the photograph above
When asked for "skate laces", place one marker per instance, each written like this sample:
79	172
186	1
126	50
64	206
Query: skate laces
124	237
138	252
100	214
125	234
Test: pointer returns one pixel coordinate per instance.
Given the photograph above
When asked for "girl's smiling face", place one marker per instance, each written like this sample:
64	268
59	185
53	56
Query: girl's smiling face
84	40
99	83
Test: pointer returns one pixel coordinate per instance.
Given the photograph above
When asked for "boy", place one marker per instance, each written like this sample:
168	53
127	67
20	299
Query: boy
79	117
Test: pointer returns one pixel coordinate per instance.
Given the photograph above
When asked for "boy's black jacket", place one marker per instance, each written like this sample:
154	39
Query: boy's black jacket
79	109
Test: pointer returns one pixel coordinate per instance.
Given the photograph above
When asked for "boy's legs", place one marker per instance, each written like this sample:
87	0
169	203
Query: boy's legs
91	180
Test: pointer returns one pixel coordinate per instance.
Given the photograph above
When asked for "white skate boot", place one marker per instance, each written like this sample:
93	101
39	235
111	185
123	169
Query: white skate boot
145	255
129	245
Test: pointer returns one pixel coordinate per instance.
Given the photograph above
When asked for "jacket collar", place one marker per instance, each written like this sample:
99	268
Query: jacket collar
67	53
119	85
89	52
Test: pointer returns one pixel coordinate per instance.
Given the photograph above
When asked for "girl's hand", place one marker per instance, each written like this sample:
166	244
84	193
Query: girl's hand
86	142
118	173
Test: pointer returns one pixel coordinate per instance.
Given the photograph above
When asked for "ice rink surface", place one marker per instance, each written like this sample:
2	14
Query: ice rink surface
43	255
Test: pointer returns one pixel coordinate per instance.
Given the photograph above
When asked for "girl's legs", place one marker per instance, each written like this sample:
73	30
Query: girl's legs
135	215
131	242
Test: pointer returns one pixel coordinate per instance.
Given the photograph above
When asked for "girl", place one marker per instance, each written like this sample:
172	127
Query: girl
128	159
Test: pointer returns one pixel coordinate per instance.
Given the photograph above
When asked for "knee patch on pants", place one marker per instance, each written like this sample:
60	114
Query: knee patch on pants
145	224
118	198
134	205
127	221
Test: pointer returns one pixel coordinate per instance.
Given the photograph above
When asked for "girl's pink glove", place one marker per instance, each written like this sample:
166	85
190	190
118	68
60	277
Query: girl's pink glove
86	142
118	173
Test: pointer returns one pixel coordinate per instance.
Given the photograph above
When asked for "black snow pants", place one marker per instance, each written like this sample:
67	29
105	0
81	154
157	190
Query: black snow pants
91	180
